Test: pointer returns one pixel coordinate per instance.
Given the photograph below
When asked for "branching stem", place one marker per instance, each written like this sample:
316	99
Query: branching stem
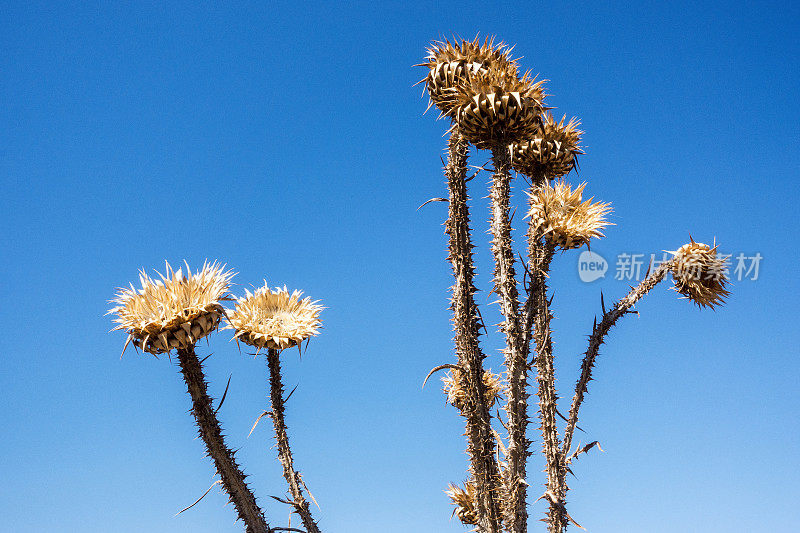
599	331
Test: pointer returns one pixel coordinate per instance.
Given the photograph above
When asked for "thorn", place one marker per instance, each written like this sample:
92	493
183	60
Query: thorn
290	394
224	394
130	338
256	423
432	200
436	369
217	482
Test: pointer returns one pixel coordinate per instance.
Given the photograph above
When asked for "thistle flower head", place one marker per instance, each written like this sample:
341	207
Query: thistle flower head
558	213
700	274
274	319
492	108
551	152
448	63
454	387
174	311
465	501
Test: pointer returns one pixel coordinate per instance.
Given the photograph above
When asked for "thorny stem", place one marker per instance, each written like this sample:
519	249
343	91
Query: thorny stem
597	337
540	254
480	438
516	351
284	451
233	479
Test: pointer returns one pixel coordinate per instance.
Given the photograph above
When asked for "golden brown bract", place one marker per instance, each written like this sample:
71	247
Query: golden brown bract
700	274
465	502
456	391
274	319
174	311
551	153
559	215
448	63
492	109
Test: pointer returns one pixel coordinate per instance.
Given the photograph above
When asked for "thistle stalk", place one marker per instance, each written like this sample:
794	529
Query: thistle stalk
599	331
233	479
292	476
480	438
516	351
540	254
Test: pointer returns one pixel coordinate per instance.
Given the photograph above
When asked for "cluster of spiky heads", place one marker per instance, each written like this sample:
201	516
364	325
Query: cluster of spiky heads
476	84
177	309
700	274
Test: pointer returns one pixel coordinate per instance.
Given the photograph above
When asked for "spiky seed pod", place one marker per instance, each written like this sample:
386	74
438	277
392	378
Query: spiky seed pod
454	387
551	153
175	311
465	501
558	214
700	274
448	63
492	109
274	319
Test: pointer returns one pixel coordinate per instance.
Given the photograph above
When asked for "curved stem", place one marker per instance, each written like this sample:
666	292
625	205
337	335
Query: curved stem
233	479
599	332
480	438
284	451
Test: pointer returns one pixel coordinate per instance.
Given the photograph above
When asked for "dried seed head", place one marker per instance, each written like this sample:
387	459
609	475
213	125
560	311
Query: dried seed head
494	109
455	388
700	274
558	214
551	153
465	501
174	311
448	63
274	319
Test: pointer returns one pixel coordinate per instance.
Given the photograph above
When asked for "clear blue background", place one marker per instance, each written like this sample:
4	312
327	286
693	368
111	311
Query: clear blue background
287	140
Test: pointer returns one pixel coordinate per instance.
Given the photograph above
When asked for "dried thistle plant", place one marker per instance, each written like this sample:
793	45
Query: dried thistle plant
278	320
477	87
699	274
274	319
551	153
173	312
450	63
559	214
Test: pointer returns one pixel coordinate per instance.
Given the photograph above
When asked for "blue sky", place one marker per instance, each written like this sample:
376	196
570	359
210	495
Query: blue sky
287	140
